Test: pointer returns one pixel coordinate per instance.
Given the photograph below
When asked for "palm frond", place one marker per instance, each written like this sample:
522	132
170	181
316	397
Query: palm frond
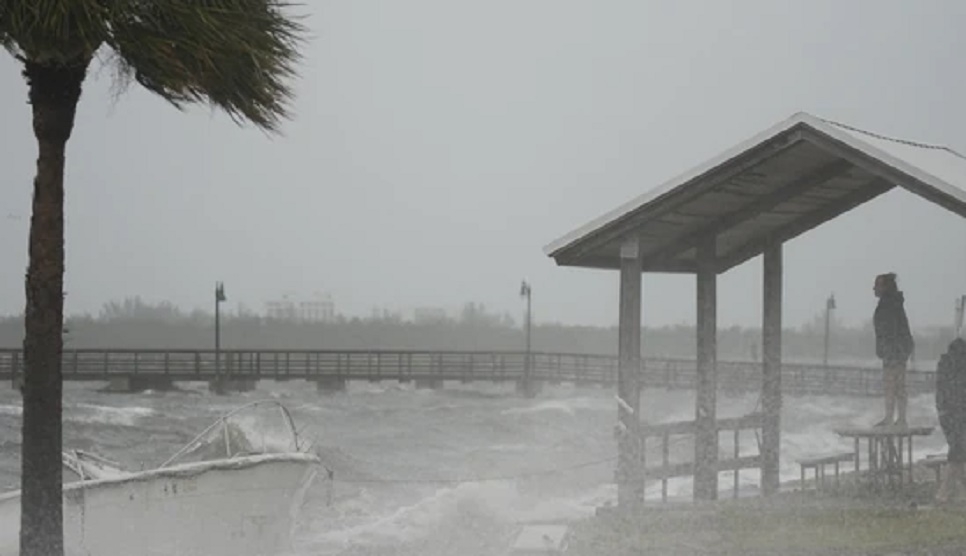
238	55
5	41
9	45
55	31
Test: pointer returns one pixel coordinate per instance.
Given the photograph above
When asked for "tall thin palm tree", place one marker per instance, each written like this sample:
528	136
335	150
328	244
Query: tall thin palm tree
237	55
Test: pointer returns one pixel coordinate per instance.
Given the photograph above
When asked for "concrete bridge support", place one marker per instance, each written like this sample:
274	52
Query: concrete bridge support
127	384
429	384
331	384
231	385
529	388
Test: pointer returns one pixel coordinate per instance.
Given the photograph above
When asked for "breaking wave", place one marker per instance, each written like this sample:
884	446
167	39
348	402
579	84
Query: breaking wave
399	455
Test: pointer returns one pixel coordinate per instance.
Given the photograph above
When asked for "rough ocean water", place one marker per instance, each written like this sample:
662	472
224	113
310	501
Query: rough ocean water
446	472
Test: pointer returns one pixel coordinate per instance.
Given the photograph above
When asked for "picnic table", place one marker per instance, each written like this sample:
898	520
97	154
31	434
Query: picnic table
888	452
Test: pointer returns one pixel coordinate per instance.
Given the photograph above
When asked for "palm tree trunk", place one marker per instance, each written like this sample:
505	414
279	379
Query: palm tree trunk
54	92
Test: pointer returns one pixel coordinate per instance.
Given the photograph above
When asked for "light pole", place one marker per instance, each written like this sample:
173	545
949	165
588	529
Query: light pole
219	297
960	309
525	292
829	307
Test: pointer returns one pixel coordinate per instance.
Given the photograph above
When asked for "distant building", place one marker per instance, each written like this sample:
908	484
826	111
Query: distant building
319	309
281	310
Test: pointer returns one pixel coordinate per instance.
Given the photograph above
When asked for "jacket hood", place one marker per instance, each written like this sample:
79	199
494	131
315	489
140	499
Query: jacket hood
893	298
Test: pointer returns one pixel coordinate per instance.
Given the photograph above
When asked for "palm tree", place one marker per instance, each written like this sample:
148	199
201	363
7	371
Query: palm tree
237	55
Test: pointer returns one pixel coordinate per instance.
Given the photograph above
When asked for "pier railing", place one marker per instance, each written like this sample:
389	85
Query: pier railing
466	366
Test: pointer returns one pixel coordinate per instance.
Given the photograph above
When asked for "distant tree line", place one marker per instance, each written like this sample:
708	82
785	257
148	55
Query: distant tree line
134	323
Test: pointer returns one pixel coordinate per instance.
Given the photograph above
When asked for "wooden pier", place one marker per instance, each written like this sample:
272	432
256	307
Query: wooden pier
241	368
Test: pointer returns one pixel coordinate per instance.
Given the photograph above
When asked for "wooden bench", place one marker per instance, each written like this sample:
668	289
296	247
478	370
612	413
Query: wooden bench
818	463
936	463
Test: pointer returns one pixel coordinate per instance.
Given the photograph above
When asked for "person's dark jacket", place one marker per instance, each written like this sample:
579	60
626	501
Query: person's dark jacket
893	339
951	387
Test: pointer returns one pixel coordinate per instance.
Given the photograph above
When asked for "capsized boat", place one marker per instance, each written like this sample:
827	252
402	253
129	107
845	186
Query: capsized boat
218	495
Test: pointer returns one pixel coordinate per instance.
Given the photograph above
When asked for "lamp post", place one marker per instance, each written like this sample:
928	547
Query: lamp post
525	292
829	307
219	297
960	310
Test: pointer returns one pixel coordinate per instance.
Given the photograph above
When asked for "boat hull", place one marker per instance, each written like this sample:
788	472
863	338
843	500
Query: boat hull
240	507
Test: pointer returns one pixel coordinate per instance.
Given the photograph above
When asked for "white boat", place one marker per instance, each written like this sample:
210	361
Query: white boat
216	496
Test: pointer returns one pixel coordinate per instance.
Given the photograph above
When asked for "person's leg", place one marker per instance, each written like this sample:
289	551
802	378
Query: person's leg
943	490
960	474
950	482
902	399
889	390
955	456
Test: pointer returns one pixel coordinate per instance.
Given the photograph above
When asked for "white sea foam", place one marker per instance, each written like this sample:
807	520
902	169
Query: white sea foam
486	433
127	416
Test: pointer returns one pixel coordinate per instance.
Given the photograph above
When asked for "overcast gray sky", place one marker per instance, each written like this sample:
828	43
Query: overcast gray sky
437	146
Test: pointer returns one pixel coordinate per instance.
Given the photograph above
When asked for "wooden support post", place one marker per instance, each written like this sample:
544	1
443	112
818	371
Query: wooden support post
630	470
771	393
706	436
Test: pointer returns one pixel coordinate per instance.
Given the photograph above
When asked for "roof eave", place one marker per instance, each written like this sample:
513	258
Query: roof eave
675	266
774	136
582	247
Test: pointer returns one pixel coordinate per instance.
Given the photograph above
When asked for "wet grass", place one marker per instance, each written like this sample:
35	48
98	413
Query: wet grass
852	520
841	530
774	530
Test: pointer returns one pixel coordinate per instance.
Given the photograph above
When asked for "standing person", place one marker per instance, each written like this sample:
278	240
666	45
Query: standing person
893	345
951	407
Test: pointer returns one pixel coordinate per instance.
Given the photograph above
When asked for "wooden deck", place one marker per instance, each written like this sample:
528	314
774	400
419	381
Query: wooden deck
466	366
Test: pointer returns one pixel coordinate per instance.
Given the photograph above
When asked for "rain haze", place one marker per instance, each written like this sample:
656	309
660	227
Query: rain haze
438	146
435	149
